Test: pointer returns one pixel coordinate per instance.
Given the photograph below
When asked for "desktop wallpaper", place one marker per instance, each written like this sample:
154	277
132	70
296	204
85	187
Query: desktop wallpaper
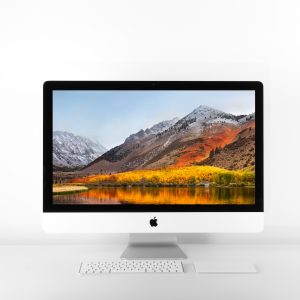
154	147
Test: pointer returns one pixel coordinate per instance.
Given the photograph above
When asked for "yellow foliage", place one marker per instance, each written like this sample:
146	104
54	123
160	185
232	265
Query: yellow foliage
192	175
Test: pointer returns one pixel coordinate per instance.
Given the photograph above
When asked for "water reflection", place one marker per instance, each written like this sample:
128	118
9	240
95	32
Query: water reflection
159	195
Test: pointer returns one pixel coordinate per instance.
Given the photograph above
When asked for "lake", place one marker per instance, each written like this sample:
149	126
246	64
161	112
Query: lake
160	195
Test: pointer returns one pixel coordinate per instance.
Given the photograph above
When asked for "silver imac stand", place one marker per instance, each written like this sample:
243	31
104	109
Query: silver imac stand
153	246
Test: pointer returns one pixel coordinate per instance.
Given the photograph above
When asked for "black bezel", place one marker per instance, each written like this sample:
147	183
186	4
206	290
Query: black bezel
49	86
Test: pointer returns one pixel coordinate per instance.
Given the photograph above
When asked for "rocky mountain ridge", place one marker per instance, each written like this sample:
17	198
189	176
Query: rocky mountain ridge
177	143
73	151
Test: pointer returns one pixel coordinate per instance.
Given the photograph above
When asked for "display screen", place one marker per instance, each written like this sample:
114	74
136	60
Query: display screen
155	147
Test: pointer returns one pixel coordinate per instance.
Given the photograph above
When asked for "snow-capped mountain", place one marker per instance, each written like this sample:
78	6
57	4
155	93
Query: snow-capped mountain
155	129
204	114
174	142
73	151
247	118
162	126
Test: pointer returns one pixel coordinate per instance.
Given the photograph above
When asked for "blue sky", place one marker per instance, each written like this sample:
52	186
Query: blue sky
111	116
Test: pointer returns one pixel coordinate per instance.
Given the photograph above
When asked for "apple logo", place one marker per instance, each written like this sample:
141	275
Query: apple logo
153	222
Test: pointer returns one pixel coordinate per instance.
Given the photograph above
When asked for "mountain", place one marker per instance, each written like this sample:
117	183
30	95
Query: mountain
175	142
207	114
162	126
237	155
155	129
73	151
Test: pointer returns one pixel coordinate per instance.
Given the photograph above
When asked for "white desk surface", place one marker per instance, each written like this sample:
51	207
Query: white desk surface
50	272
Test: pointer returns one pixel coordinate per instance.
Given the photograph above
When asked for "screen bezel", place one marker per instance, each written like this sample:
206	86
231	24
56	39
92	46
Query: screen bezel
50	86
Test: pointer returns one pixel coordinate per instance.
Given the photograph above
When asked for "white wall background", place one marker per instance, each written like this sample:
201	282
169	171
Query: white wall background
145	40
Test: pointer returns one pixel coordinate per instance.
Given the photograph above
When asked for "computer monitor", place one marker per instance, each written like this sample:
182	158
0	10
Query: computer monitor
153	157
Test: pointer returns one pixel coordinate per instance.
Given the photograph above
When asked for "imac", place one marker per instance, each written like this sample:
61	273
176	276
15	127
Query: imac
153	159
